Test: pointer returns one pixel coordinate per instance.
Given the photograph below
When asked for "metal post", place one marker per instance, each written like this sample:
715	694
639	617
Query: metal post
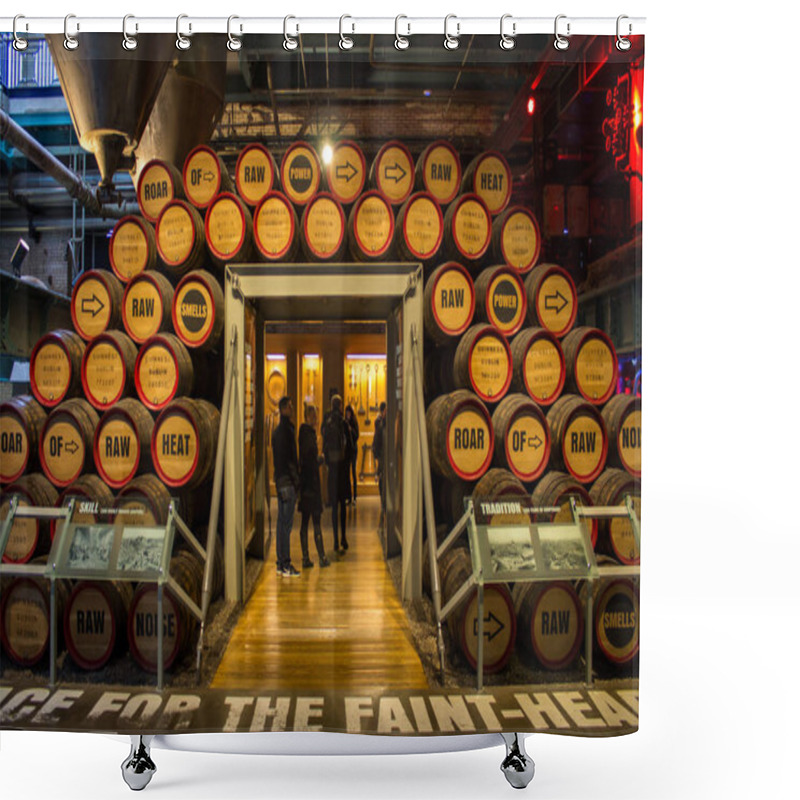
589	631
480	636
160	635
53	631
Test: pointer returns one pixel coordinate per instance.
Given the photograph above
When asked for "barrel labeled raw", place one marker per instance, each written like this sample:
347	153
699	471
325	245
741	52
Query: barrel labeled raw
500	299
323	229
580	442
228	229
438	171
346	172
163	370
204	176
180	238
539	366
592	369
55	368
301	173
95	303
28	537
468	228
107	369
616	534
65	449
122	442
275	228
392	172
256	174
488	175
146	306
552	299
371	227
449	302
159	184
516	239
555	490
143	502
483	363
616	620
420	228
21	423
132	249
523	438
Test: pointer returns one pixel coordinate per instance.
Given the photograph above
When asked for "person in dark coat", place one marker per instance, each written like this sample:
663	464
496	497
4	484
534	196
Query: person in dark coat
287	482
337	449
351	419
310	488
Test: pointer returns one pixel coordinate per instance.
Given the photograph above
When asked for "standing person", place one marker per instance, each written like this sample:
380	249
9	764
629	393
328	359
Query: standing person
337	451
287	482
310	487
351	419
377	454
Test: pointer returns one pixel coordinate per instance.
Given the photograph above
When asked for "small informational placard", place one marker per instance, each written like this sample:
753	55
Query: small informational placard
90	548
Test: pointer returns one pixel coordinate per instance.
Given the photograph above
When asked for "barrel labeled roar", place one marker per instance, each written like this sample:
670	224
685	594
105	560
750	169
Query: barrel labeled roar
549	624
500	299
21	423
143	502
483	363
301	173
122	442
449	302
592	369
55	367
552	299
93	498
556	489
488	176
180	238
95	304
346	172
275	228
523	438
198	310
370	227
204	176
616	620
392	172
159	184
623	418
539	366
580	442
146	306
28	537
468	228
323	229
132	249
460	436
228	230
163	371
184	442
65	449
107	369
256	174
438	171
516	239
420	228
615	535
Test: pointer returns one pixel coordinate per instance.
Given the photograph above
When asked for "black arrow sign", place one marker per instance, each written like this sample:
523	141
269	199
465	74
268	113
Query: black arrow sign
397	172
556	306
346	172
208	176
92	305
71	446
487	630
536	442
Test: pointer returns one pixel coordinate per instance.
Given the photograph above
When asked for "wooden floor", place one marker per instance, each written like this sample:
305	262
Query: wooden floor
342	627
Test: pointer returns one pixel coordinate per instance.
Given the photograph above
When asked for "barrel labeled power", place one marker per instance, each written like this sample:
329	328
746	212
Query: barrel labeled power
420	228
580	442
556	490
122	442
468	228
228	229
622	415
163	371
159	184
198	310
28	537
615	535
146	306
489	176
460	436
65	449
483	363
143	502
549	624
552	299
21	423
275	228
449	302
516	239
371	227
616	620
523	438
55	367
346	172
392	172
500	299
107	369
256	174
93	502
539	366
301	173
180	238
592	369
438	171
132	249
204	176
95	305
324	227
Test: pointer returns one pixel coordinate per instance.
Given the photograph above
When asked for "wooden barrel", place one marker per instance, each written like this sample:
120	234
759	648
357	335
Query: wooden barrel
180	238
616	622
21	423
229	230
420	228
438	171
449	302
163	371
143	502
218	568
256	174
122	442
159	184
55	367
499	486
615	535
108	368
95	620
523	438
538	364
324	227
483	363
392	172
622	415
500	622
198	311
555	490
549	624
146	306
467	228
580	441
94	502
65	448
204	176
489	176
370	228
301	173
592	368
437	371
29	537
516	239
96	303
552	299
132	249
500	299
275	228
184	442
346	172
460	436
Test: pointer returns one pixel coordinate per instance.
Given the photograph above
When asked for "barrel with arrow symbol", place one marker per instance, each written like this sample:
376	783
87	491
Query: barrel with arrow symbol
65	448
346	172
392	172
96	303
204	176
552	299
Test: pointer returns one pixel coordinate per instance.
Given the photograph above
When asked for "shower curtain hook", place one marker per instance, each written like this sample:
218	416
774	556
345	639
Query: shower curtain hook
507	42
289	42
234	42
70	42
401	42
20	44
345	42
623	44
561	42
182	42
129	42
451	42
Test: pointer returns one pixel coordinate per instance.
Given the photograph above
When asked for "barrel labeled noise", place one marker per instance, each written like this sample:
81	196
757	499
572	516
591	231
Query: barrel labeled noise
198	310
275	228
159	184
122	442
228	229
488	176
180	238
146	306
539	366
324	228
622	415
256	174
301	173
552	299
438	171
555	490
107	369
420	228
516	239
592	368
460	436
93	499
468	228
616	620
132	249
21	423
163	371
55	368
65	449
392	172
523	438
449	302
371	227
28	537
615	535
95	305
204	176
580	442
483	363
500	299
346	172
143	502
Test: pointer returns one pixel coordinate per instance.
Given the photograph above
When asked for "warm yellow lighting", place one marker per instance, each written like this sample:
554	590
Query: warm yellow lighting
327	154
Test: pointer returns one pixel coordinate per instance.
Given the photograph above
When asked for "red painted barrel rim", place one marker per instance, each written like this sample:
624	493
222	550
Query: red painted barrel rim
50	338
8	408
438	275
123	221
199	278
478	406
10	490
274	194
573	652
547	271
460	202
316	198
315	191
25	662
76	657
61	484
152	163
164	342
491	330
426	155
173	484
108	416
141	278
202	148
169	657
598	607
400	146
604	454
479	160
254	146
188	208
96	274
543	333
504	269
489	669
411	200
356	208
524	270
103	338
355	198
241	207
537	412
596	333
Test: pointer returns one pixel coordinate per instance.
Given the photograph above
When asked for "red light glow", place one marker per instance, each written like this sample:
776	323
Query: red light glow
531	106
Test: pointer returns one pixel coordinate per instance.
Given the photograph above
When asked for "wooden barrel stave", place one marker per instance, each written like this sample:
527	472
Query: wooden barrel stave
276	230
55	367
228	230
370	228
180	238
324	227
555	489
420	229
107	369
147	306
29	538
615	536
516	239
467	229
65	447
622	415
21	422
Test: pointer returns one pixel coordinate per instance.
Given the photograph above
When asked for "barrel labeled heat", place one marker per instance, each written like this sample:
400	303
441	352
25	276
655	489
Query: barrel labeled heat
489	176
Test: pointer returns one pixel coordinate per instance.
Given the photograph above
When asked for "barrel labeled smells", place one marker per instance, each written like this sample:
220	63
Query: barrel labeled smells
65	448
516	239
275	228
146	306
523	438
132	249
323	229
346	172
28	537
483	363
622	415
107	369
122	442
55	368
438	171
95	303
180	238
552	299
539	366
21	423
301	173
392	172
616	620
163	371
197	310
488	176
449	302
371	227
592	369
580	442
159	184
500	299
256	174
204	176
228	230
420	227
468	228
